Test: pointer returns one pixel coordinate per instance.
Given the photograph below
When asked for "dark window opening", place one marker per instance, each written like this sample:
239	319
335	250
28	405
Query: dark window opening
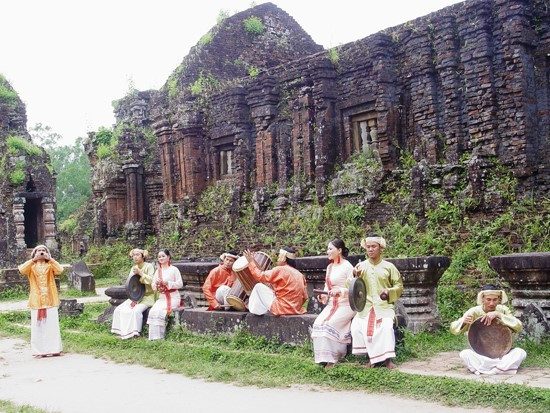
34	225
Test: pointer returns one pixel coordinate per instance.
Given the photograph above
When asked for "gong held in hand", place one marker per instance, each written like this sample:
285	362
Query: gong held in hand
493	340
357	294
134	288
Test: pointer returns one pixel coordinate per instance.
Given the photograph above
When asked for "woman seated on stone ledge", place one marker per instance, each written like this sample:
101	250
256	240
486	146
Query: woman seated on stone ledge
128	317
167	281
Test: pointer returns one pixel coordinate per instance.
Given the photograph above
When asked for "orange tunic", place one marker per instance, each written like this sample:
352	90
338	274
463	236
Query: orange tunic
43	292
289	286
217	277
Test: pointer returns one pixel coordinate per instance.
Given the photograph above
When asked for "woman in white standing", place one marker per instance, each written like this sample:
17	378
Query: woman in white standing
331	331
128	316
167	281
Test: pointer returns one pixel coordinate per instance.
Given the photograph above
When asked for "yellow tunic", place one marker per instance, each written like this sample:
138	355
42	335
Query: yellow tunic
43	291
506	318
379	276
148	271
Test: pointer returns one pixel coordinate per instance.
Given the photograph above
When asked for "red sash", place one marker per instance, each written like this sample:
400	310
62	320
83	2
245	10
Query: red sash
42	314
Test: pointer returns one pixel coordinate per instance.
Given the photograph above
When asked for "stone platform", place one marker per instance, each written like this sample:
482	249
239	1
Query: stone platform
292	329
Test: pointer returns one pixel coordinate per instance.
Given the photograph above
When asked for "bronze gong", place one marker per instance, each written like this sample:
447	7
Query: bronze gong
493	341
357	294
134	289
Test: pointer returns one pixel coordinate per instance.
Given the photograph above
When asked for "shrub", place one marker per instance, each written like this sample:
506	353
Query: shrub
7	95
17	177
103	136
254	25
205	39
113	259
334	56
104	151
253	71
17	145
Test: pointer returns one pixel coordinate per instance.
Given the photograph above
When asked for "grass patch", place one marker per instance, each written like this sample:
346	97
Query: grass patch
17	293
9	407
74	293
247	360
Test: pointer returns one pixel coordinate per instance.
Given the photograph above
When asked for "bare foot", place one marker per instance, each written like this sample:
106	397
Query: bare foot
367	366
329	366
388	363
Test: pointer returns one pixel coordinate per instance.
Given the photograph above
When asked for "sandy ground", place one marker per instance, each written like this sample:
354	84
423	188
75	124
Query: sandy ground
80	383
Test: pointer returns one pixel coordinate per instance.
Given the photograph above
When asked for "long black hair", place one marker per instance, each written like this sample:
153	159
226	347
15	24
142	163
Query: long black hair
339	244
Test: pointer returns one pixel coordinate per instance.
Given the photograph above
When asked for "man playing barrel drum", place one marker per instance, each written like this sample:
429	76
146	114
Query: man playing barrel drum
219	281
488	310
288	294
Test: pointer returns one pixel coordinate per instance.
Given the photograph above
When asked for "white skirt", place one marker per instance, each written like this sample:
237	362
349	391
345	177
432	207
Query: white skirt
260	299
380	345
221	294
478	364
128	321
45	334
157	314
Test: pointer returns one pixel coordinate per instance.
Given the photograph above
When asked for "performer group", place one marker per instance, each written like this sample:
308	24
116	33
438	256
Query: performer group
280	291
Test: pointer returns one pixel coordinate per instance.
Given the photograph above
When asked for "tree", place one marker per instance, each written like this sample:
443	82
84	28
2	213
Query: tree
71	165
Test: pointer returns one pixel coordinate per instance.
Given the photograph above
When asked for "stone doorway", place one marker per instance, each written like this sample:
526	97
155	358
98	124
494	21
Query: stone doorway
34	222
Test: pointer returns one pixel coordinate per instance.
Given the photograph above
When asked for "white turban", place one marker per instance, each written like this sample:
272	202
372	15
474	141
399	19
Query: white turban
284	254
379	240
500	293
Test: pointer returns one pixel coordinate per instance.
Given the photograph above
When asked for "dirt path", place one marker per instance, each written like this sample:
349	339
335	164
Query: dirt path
22	305
79	383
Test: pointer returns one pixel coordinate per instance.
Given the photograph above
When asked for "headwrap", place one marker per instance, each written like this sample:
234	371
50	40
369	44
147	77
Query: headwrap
379	240
40	246
144	253
284	254
491	290
231	254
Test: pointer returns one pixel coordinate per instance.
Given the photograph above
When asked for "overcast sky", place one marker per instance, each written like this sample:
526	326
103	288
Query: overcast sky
69	59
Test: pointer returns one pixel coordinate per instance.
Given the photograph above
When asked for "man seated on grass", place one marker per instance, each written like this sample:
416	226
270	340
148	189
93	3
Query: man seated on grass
490	308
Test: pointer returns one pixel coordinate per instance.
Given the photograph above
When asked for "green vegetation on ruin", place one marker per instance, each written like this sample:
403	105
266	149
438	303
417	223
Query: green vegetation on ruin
205	84
8	96
206	39
254	25
245	360
18	145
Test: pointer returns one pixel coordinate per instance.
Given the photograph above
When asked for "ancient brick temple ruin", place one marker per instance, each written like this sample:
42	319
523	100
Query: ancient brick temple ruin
461	91
27	186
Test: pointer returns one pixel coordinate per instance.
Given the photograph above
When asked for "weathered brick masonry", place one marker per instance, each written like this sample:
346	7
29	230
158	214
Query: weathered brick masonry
461	90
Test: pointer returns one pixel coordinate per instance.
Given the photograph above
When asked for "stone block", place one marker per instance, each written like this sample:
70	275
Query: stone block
80	277
68	307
